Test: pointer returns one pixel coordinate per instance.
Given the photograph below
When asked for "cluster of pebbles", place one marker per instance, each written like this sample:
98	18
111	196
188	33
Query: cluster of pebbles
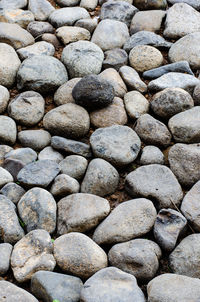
99	150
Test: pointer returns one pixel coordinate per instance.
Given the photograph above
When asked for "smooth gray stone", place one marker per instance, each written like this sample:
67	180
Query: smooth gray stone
51	154
196	95
150	4
151	155
35	139
4	98
41	9
5	177
193	3
39	48
74	166
26	155
64	185
115	58
13	4
89	24
13	192
37	28
13	166
8	130
5	253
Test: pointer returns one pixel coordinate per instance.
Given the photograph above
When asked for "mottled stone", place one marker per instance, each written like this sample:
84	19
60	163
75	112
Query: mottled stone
136	104
17	16
5	177
64	185
39	48
113	77
115	58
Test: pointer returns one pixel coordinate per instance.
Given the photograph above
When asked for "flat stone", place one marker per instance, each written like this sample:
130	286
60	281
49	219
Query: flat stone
35	139
11	292
74	166
113	77
37	28
89	24
26	155
39	48
130	219
156	182
4	98
68	34
136	104
5	253
193	3
51	154
132	79
63	94
115	58
31	254
18	16
13	192
150	4
14	4
41	9
81	212
117	144
152	155
64	185
8	130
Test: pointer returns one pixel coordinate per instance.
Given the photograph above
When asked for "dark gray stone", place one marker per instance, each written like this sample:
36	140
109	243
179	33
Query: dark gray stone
37	28
13	192
115	58
35	139
13	166
4	98
193	3
25	155
150	4
41	9
10	292
5	253
74	166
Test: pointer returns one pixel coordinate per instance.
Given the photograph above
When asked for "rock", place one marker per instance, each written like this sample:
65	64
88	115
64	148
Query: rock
51	38
150	4
89	4
156	182
13	192
49	73
193	3
132	79
8	71
14	4
68	120
115	58
67	16
112	284
71	146
184	126
3	150
186	48
185	166
144	37
168	227
68	2
37	28
138	257
63	94
8	130
173	80
152	131
150	20
64	185
151	155
18	16
50	286
5	253
82	58
10	229
4	98
182	66
37	209
110	34
35	139
41	9
68	34
171	101
118	10
172	287
51	154
81	212
89	24
103	1
13	166
101	178
145	57
31	254
114	114
25	155
128	220
39	48
93	92
74	166
113	77
27	108
136	104
15	35
196	95
117	144
71	250
184	260
11	292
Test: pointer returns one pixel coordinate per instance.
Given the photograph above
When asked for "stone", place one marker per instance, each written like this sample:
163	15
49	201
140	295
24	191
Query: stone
79	255
63	94
150	4
132	79
68	120
81	212
113	114
4	98
113	77
13	166
185	166
145	37
50	286
173	287
101	178
35	139
110	34
41	73
26	155
41	9
89	4
103	1
31	254
171	101
51	154
8	130
136	104
112	284
64	185
152	155
193	3
8	71
67	16
82	58
196	95
186	48
152	131
74	166
149	20
145	57
173	80
115	58
68	2
168	228
118	10
181	66
18	16
51	38
130	219
27	108
156	182
68	34
184	259
39	48
37	28
184	126
37	209
13	4
10	229
3	150
89	24
138	257
117	144
5	253
181	19
13	192
15	35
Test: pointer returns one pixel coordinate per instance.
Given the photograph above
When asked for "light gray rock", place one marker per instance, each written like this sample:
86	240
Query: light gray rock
68	34
74	166
128	220
35	139
196	95
115	58
156	182
31	254
132	79
51	154
41	9
81	212
68	2
5	253
17	16
51	38
113	77
5	177
4	98
193	3
39	48
89	24
13	192
152	155
8	130
89	4
14	4
136	104
64	185
37	28
63	94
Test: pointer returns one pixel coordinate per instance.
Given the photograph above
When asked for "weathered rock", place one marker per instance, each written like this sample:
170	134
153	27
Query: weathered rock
113	77
35	139
4	98
63	94
26	155
89	24
13	166
132	79
14	4
136	104
151	155
64	185
39	48
18	16
8	130
13	192
89	4
68	34
5	177
37	28
41	9
150	4
51	38
196	95
5	253
115	58
193	3
74	166
3	150
51	154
